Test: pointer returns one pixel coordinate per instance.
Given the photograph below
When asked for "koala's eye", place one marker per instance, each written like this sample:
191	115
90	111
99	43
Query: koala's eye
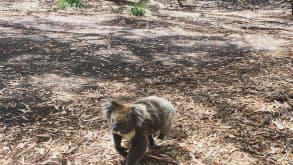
112	120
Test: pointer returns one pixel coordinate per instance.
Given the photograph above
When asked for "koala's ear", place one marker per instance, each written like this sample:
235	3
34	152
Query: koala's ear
108	106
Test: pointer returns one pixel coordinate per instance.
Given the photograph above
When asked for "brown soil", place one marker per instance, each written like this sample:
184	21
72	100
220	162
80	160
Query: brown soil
229	74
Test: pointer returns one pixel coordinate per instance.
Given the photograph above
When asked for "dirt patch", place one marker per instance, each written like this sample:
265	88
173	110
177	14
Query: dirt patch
229	74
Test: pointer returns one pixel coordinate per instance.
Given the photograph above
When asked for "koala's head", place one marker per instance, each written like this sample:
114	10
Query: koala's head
122	118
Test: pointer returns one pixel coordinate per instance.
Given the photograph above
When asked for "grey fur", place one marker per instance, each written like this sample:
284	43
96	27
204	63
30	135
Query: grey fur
147	115
161	113
137	122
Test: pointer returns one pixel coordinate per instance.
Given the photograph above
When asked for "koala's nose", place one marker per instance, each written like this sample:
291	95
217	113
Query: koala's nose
114	127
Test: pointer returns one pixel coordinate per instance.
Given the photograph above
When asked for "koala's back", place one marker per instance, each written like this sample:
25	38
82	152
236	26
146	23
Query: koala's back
159	103
161	112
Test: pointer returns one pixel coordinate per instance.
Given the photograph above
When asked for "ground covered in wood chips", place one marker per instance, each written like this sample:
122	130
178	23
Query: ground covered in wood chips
229	74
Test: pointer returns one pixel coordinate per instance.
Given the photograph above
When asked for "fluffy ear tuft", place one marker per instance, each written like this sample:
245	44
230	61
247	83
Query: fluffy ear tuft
109	106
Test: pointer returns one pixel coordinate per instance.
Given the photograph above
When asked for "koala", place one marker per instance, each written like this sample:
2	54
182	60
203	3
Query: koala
137	122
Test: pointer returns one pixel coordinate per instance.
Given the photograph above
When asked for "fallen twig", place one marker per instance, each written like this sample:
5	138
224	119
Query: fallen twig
42	156
162	158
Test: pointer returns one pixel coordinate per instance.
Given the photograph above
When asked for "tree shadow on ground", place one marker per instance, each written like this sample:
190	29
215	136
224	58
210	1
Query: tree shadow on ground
252	129
186	63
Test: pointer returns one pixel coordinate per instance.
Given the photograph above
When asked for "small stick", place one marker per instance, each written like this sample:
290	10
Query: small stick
161	158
